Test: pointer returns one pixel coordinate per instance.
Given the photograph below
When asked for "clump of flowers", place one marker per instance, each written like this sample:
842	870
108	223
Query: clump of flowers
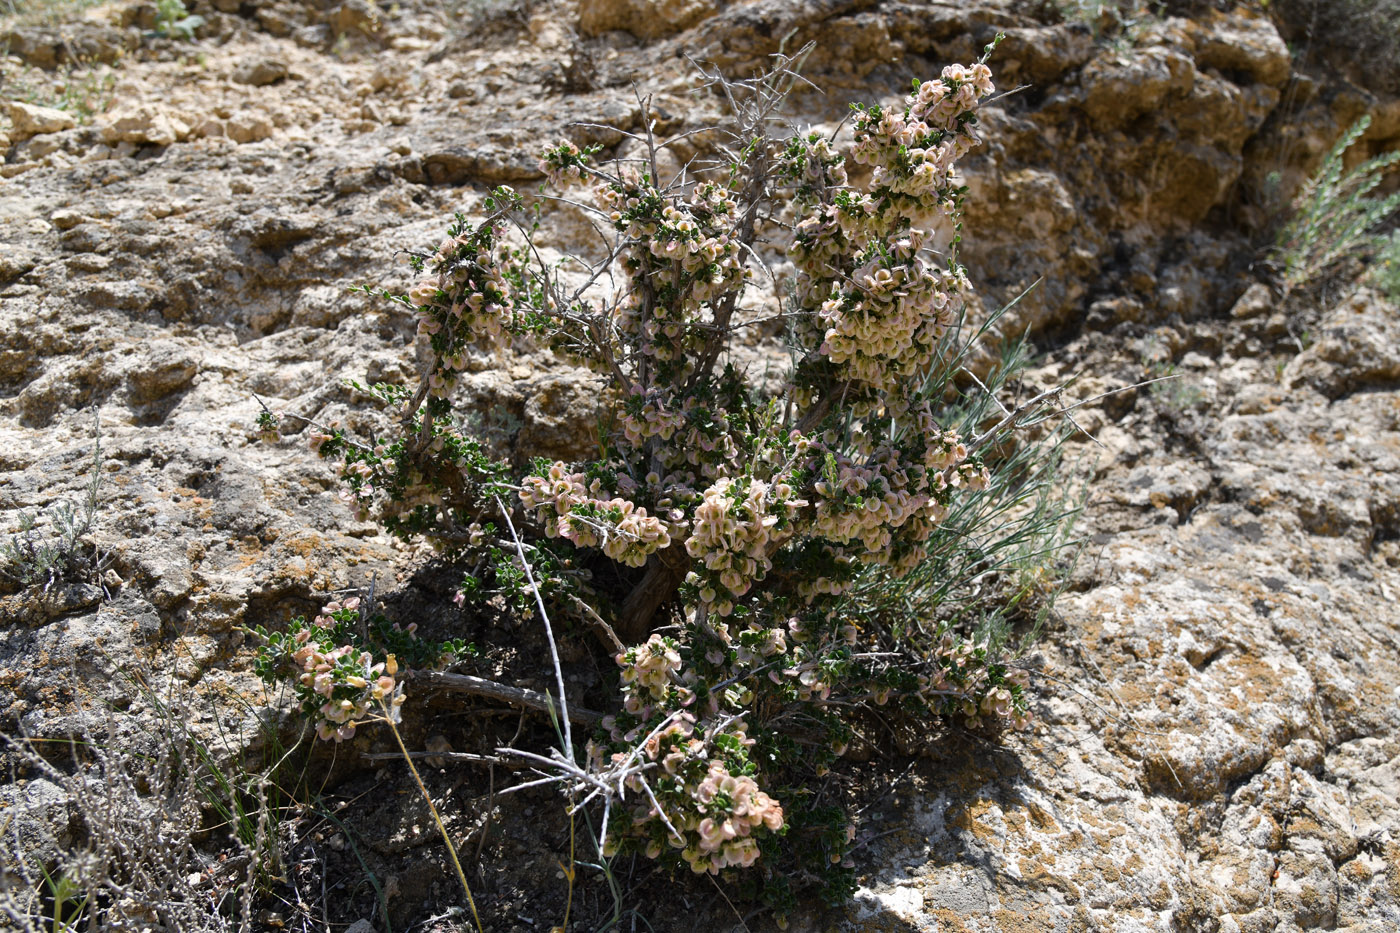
344	679
570	509
735	542
694	786
737	525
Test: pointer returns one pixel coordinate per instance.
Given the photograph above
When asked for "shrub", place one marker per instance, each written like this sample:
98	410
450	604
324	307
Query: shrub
1335	218
174	21
1359	38
30	557
136	852
768	569
83	90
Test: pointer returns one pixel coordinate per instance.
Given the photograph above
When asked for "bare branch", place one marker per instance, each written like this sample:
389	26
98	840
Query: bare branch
515	696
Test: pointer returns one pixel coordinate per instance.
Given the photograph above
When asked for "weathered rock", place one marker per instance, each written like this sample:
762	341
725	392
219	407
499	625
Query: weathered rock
1357	346
353	16
260	71
164	368
144	124
16	261
646	19
246	127
28	120
1245	45
81	43
36	815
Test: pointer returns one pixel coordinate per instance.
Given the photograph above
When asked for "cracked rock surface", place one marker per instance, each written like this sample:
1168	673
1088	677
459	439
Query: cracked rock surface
1218	737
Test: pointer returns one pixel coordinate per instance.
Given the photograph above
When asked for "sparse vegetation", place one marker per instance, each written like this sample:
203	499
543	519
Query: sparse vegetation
174	21
52	546
43	12
136	860
1385	271
768	571
83	90
1335	217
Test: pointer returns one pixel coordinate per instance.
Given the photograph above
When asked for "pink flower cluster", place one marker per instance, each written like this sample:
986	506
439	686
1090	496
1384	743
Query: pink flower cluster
654	419
561	165
649	669
735	532
688	245
884	325
733	808
699	440
712	816
870	501
573	508
879	308
960	684
468	301
327	672
693	801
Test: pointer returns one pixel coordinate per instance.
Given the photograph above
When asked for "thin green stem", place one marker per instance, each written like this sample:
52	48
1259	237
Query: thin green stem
451	849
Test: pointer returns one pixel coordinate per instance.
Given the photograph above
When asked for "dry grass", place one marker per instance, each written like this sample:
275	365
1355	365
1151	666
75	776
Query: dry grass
137	850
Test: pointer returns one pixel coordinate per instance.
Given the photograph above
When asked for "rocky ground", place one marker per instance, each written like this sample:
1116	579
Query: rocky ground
1218	742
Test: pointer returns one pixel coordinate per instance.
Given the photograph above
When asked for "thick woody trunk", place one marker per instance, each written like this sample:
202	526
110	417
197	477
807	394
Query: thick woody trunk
665	571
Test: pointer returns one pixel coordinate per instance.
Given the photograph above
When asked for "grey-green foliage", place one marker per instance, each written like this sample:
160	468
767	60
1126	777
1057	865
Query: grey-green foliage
1385	271
1335	215
174	21
44	556
997	560
81	90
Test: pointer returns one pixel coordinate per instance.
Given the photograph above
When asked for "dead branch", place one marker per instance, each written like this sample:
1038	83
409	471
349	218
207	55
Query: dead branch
521	697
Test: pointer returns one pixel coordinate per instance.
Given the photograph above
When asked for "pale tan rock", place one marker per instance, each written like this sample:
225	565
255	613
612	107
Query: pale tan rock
260	72
646	19
143	124
353	16
39	146
27	120
1255	301
1245	42
246	127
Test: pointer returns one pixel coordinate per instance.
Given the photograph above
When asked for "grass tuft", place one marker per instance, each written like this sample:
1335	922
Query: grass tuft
1336	218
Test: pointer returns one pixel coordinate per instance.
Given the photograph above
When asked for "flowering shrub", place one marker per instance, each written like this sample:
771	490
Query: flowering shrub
344	678
763	533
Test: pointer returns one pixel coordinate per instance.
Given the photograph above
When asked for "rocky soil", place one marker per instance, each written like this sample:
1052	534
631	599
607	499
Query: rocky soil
1218	743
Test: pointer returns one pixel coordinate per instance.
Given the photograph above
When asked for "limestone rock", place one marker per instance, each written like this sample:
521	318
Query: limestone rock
1357	345
1247	44
247	127
28	120
1118	87
260	71
353	16
144	124
36	813
646	19
165	368
16	261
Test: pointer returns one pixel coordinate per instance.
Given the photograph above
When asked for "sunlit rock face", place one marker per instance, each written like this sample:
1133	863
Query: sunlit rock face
1217	744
